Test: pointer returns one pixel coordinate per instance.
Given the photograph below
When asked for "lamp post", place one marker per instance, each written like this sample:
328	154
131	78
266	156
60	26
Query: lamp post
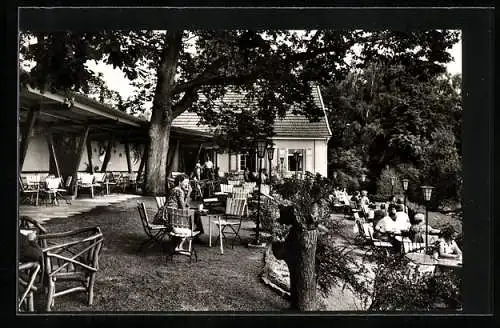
281	165
270	156
296	157
405	188
393	180
427	190
261	152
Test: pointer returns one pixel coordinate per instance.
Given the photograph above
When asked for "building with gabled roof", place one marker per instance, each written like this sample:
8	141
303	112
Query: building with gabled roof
294	135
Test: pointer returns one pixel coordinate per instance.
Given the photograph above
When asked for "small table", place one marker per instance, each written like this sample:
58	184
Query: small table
421	259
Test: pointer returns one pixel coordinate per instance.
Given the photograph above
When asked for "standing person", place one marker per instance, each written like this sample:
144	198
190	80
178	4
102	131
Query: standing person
197	170
246	175
402	219
208	168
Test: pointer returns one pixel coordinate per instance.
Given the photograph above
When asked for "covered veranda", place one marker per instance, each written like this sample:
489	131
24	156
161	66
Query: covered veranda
63	139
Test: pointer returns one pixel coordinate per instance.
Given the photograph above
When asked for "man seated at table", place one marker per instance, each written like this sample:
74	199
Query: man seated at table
448	248
402	219
386	228
418	229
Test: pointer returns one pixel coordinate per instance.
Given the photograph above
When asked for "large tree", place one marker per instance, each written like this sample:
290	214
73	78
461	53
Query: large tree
181	70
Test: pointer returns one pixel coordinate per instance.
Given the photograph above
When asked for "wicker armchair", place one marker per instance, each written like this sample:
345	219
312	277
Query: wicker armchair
71	256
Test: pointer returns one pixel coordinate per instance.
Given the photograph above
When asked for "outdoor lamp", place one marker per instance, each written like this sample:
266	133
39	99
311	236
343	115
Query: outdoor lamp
427	190
405	188
261	152
405	184
335	174
393	180
363	177
261	147
270	155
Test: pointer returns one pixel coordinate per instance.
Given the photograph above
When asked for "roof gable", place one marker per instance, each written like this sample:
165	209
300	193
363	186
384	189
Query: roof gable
290	126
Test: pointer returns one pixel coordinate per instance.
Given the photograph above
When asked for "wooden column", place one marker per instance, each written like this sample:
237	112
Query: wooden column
89	154
32	116
79	155
52	150
107	157
127	154
143	160
171	156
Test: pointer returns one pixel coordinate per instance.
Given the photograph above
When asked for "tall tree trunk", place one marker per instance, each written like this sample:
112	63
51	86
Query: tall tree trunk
300	248
162	116
299	253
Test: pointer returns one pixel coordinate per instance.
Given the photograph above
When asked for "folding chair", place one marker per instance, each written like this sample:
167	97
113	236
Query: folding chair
72	257
52	190
224	189
236	209
181	222
28	192
368	230
155	232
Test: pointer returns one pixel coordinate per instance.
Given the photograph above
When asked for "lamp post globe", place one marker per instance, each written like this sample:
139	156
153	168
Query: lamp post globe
405	188
427	193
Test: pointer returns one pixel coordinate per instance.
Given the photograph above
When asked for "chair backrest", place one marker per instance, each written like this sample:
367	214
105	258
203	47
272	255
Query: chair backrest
367	230
249	185
160	201
72	251
181	218
132	177
236	206
33	179
67	184
143	214
265	189
234	182
87	178
239	195
53	183
412	247
99	177
226	188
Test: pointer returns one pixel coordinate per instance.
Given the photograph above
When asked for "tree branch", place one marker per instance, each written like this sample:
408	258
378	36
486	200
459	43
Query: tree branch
186	101
216	79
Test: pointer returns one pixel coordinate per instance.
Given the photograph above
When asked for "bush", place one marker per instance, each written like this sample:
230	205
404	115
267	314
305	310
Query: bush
398	288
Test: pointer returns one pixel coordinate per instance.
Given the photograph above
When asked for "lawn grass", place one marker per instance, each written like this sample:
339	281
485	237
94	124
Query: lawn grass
131	281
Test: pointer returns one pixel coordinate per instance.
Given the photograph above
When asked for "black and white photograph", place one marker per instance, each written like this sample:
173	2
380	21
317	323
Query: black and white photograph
240	170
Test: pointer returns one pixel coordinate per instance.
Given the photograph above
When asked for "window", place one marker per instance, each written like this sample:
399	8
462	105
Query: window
243	161
293	163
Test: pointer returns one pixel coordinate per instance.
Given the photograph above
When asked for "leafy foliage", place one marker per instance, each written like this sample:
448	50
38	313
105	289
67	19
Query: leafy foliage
397	287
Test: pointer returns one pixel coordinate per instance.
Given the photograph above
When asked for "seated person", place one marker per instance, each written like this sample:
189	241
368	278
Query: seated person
402	219
386	227
371	212
418	228
448	248
179	197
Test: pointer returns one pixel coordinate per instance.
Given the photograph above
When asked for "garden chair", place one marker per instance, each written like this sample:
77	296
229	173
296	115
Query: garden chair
234	182
181	222
100	181
224	189
410	246
236	210
52	190
72	257
155	232
368	230
160	201
29	194
28	273
86	181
